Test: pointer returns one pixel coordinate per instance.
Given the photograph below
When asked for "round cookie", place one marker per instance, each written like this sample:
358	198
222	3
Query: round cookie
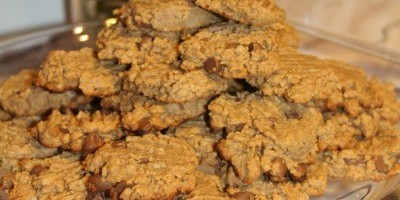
374	159
165	15
149	115
17	143
254	12
168	84
63	71
266	135
137	47
236	50
58	177
325	83
83	132
152	167
20	97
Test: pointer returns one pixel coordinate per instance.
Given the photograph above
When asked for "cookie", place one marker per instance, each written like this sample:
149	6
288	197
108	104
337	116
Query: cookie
20	97
63	71
17	143
258	12
325	83
150	167
168	84
164	15
137	47
374	159
236	50
58	177
265	135
149	115
201	139
83	132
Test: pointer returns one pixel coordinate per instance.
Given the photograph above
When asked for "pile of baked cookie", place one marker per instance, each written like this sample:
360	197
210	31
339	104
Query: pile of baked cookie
203	99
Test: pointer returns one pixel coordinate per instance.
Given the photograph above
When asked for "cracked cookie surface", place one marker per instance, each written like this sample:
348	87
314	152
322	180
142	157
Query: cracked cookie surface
83	132
137	47
16	143
153	167
58	177
165	15
169	84
20	97
265	132
254	12
236	50
148	114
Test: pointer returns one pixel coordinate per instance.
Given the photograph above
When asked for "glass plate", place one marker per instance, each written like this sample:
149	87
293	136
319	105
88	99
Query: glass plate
28	51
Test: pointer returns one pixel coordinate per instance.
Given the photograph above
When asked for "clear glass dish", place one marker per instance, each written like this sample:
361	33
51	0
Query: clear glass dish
28	51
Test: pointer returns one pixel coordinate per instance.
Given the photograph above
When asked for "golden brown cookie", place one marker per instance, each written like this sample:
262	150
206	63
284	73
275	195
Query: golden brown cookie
58	177
137	47
236	50
254	12
151	167
16	142
83	132
164	15
169	84
20	97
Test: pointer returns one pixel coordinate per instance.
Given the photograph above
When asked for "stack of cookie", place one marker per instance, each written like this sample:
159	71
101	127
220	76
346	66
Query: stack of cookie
203	99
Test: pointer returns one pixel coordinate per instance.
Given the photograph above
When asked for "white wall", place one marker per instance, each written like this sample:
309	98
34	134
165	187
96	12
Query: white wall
17	15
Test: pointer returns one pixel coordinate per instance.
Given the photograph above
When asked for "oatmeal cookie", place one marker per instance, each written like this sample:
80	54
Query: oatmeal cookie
137	47
372	159
148	115
58	177
254	12
150	167
20	97
16	142
327	84
165	15
83	132
265	135
201	139
168	84
236	50
63	71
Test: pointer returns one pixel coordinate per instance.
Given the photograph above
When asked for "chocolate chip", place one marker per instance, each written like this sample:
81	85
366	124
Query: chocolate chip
279	173
213	66
118	189
353	161
36	170
231	45
293	114
95	184
119	144
146	38
91	143
243	195
141	24
239	127
144	126
95	195
255	47
143	161
380	165
300	175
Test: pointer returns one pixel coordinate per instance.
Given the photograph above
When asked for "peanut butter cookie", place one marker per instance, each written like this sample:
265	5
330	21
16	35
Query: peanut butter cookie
151	167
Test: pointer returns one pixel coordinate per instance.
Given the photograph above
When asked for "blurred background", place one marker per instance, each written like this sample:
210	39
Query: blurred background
18	17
